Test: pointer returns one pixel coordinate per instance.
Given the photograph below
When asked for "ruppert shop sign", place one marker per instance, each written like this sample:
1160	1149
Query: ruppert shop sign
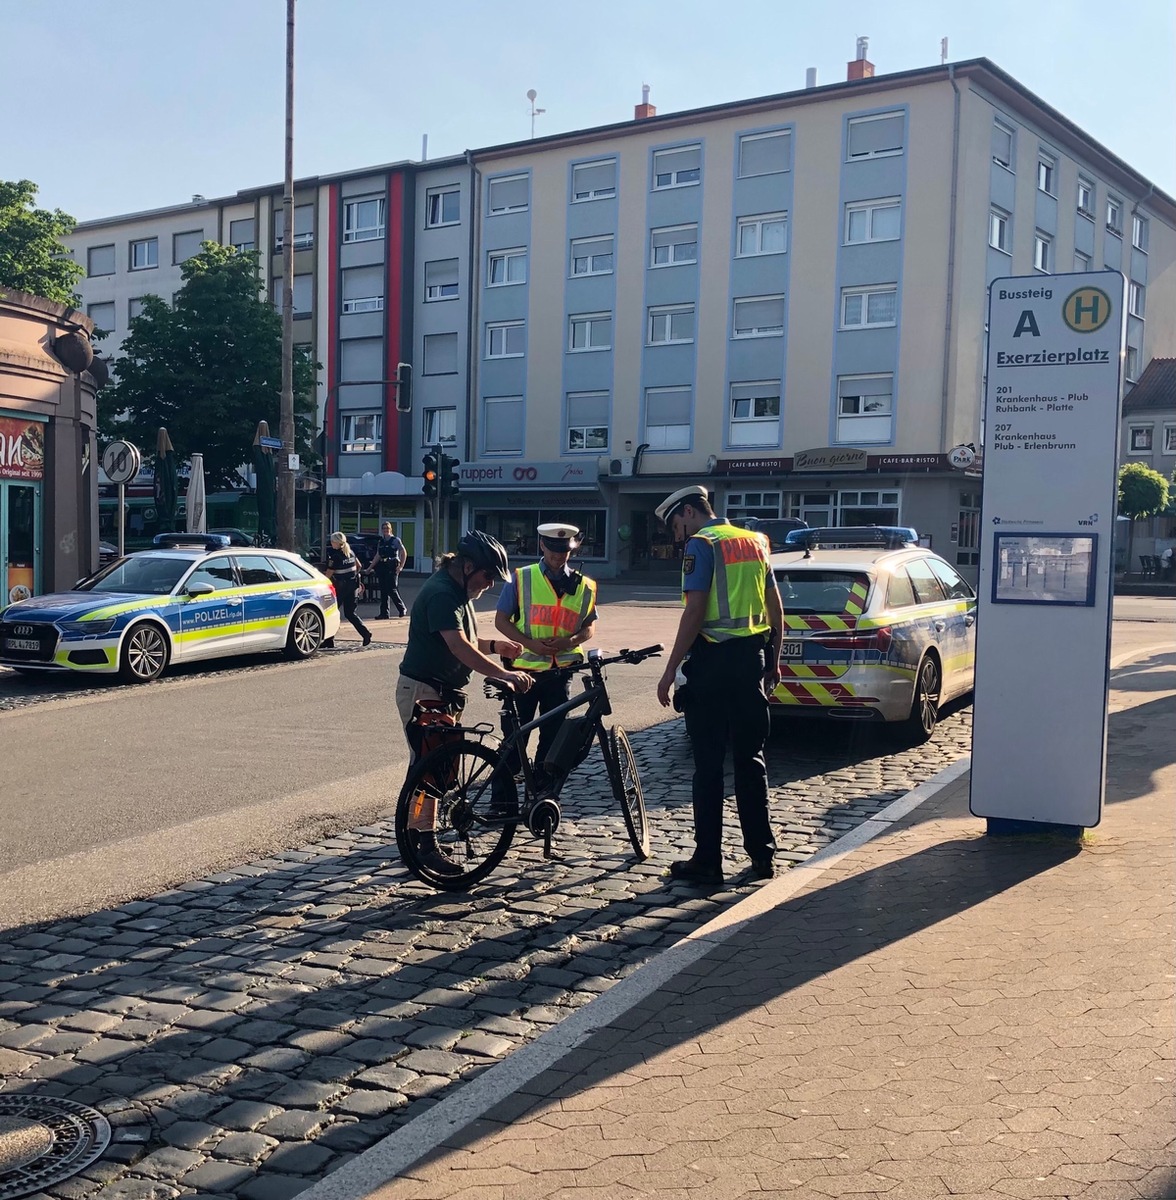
513	474
1051	421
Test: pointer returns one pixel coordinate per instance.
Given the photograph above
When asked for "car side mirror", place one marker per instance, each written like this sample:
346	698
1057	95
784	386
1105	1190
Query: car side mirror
200	589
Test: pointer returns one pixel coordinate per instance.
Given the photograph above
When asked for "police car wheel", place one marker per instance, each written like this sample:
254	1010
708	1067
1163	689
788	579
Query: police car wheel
920	725
306	633
144	654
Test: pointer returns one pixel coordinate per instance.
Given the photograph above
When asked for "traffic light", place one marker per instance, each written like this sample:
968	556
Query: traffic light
450	484
404	387
429	475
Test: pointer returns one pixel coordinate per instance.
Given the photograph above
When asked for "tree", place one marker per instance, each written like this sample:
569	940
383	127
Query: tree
32	258
1142	493
209	367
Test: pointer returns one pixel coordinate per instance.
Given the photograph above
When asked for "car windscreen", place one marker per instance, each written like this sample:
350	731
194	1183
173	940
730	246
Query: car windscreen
824	592
154	574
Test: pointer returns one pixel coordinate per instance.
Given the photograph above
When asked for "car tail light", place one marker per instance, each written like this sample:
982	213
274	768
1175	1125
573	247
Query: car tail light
868	639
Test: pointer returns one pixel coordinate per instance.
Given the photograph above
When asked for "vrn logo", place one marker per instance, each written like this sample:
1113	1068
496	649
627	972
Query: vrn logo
1091	520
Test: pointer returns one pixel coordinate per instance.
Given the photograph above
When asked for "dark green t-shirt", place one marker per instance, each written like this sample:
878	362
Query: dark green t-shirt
441	604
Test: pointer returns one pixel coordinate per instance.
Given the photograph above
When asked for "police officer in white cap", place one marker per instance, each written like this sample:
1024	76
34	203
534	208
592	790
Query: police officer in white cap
551	611
731	628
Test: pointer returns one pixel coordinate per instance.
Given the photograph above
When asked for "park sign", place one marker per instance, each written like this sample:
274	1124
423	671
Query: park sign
1051	424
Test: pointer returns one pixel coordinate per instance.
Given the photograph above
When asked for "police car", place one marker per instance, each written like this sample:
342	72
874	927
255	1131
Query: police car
190	598
876	628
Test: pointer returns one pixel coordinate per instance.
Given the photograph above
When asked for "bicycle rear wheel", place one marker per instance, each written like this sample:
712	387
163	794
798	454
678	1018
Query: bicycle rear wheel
626	787
473	829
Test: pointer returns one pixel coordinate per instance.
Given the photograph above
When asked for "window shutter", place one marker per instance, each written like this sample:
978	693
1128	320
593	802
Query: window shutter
504	424
668	408
1002	144
242	231
587	408
187	244
303	219
362	283
689	158
361	359
759	314
760	155
442	271
508	193
877	135
101	262
595	177
440	353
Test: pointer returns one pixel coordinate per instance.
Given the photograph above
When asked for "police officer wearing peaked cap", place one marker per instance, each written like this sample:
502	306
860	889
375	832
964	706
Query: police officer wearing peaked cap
731	628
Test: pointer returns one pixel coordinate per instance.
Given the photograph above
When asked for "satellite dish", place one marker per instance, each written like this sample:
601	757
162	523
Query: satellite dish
531	94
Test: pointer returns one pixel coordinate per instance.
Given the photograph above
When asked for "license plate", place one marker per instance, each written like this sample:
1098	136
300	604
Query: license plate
22	644
790	651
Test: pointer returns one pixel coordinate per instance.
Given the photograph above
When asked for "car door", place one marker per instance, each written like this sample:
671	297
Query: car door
211	624
269	600
963	621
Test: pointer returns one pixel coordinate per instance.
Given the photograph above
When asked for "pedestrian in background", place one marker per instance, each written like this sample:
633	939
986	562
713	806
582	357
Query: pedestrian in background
731	628
387	564
342	570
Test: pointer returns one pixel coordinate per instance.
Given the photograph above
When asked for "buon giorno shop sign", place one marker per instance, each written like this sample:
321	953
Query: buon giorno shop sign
22	448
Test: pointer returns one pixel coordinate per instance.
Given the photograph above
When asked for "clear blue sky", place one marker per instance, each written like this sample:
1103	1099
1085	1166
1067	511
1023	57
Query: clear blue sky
133	104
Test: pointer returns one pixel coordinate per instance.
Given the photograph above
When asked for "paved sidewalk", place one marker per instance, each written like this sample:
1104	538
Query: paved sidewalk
936	1014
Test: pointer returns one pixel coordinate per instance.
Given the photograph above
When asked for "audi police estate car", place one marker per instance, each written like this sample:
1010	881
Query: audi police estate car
190	598
876	628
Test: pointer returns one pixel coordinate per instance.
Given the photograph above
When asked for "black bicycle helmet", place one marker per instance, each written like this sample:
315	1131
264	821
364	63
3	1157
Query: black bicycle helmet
485	552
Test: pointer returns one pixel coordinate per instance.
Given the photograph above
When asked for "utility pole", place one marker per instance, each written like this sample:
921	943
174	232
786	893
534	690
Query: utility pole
285	474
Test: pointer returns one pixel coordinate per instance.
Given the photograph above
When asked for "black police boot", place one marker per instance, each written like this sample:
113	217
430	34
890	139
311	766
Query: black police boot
690	870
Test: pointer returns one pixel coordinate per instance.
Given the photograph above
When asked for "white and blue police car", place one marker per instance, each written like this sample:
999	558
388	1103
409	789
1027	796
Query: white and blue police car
191	597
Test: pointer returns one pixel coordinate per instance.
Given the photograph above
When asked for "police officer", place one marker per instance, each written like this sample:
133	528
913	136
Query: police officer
550	611
731	628
387	564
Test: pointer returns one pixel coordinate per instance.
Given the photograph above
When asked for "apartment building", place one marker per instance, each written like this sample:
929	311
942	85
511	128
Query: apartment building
783	297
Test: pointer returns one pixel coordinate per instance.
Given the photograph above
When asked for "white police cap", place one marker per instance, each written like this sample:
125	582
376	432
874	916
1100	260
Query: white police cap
665	510
556	531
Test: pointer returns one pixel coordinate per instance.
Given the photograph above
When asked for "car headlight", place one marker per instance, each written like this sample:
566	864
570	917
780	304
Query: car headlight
93	628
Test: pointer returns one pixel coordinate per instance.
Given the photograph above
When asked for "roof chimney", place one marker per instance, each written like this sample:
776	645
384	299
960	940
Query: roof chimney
861	67
644	110
198	199
810	77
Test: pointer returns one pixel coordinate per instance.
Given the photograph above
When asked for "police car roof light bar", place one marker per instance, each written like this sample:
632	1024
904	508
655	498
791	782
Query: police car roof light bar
890	537
187	541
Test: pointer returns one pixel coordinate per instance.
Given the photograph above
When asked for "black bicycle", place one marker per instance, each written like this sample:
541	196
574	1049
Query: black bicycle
462	794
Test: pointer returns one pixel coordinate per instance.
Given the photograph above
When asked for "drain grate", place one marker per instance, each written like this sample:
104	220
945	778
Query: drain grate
44	1140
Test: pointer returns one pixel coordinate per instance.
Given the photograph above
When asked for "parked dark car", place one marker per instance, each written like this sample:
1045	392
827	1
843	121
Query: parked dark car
775	528
237	537
364	546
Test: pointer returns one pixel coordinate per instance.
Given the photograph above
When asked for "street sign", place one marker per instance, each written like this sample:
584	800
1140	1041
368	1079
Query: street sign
121	462
270	443
293	462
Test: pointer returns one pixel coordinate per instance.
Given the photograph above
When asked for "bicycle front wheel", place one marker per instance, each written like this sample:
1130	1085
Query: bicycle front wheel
450	788
626	787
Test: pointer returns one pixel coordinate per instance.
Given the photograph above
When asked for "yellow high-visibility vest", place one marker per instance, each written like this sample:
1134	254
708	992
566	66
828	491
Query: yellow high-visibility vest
545	614
736	606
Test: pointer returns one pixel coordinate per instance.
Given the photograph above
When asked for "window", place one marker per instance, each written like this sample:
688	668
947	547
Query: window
303	227
1046	169
1002	145
899	593
303	295
877	136
866	508
134	307
1115	215
1136	295
508	194
1085	198
765	234
1140	439
440	354
1131	364
216	571
442	206
587	415
968	532
869	307
926	585
290	570
1042	252
670	324
506	339
672	245
361	432
363	289
102	315
502	424
998	230
954	587
755	414
1139	233
1081	261
440	426
758	316
592	256
185	245
864	408
668	413
681	167
361	360
873	221
145	254
363	220
1170	439
594	180
765	153
590	331
505	267
441	279
243	234
99	261
256	569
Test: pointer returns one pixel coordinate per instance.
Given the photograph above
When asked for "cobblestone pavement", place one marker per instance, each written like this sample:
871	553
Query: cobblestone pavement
251	1031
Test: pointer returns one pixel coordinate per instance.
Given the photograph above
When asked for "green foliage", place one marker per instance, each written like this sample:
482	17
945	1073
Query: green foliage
209	368
1142	491
32	257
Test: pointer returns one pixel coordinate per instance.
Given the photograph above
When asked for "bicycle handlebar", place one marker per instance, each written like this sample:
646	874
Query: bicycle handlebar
631	657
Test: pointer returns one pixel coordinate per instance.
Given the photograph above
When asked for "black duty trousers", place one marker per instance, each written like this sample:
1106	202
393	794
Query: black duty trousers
345	589
726	705
387	582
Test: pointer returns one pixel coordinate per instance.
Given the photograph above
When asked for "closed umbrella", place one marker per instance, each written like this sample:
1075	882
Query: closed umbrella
263	469
165	482
194	510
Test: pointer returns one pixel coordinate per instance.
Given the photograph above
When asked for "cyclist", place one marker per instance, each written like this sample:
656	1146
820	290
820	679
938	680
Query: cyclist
551	611
444	650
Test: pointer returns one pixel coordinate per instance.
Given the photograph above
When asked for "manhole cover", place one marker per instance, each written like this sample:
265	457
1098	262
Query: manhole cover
44	1140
